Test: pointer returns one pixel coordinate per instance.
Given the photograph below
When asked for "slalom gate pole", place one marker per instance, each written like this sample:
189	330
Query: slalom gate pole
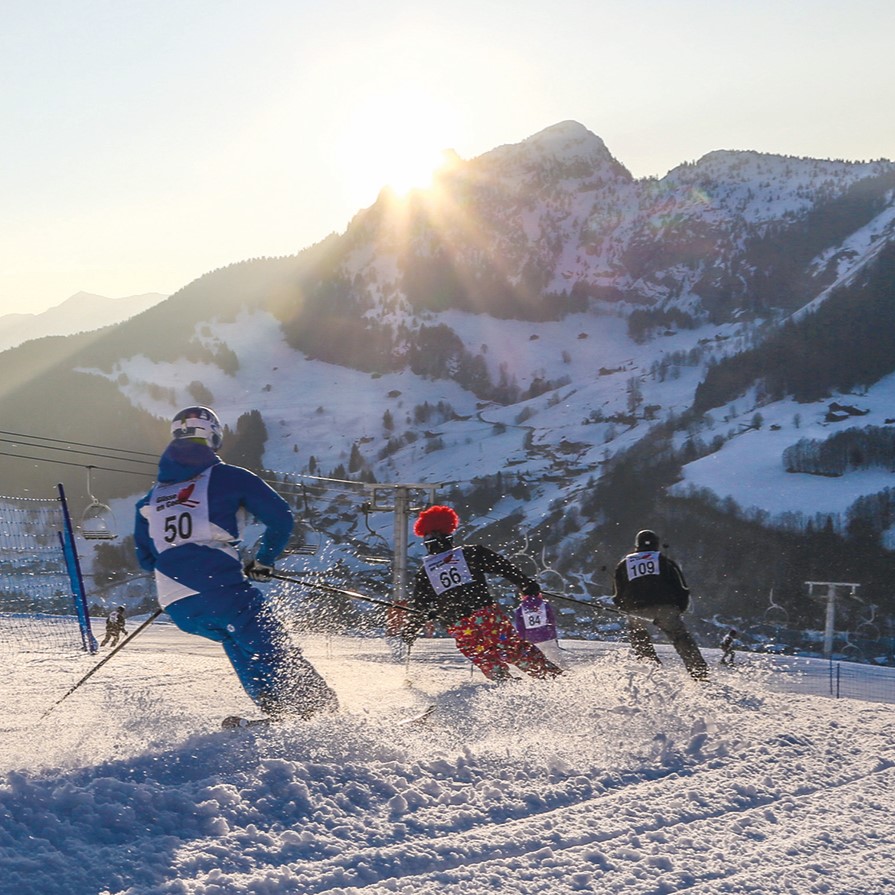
99	665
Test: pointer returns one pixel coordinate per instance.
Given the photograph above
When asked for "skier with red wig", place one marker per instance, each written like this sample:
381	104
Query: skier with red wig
451	585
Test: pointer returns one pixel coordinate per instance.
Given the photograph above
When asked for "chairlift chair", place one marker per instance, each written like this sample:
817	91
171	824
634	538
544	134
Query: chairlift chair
374	559
311	539
371	555
97	520
310	544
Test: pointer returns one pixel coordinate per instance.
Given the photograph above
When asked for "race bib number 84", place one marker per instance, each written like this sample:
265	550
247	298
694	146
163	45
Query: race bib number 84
447	570
535	618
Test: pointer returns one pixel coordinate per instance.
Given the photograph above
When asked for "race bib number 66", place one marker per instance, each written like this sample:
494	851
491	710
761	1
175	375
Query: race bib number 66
447	570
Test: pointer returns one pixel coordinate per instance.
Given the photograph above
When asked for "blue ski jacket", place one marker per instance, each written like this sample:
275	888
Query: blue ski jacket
188	528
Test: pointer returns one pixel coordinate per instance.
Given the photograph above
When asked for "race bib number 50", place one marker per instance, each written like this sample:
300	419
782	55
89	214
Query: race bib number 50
447	570
178	513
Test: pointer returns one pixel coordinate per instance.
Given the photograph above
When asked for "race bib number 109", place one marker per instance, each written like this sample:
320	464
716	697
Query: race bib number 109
640	564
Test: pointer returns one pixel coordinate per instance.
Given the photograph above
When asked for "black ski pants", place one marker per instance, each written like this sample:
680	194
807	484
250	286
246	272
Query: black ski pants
669	621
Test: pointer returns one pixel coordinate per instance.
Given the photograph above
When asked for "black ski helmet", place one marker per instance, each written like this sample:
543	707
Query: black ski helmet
646	540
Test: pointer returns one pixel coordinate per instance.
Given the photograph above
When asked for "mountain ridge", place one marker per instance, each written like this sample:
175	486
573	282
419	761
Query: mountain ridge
81	312
533	333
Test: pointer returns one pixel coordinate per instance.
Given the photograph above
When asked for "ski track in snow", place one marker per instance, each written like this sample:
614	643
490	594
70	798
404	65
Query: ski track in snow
615	778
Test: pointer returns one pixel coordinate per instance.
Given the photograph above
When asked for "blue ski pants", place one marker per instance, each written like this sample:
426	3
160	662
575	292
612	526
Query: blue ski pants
271	670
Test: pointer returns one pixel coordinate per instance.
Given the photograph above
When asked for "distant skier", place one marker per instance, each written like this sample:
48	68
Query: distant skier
188	530
114	627
650	587
535	621
727	647
451	585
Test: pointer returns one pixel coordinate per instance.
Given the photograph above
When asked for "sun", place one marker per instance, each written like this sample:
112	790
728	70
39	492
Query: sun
396	140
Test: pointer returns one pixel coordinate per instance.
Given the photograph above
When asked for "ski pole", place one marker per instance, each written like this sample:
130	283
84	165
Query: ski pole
100	664
587	603
351	594
407	680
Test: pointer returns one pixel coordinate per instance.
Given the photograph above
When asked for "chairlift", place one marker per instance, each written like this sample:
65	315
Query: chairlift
371	556
309	545
97	520
311	539
374	559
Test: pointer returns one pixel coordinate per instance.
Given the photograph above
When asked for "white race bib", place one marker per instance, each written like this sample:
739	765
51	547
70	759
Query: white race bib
535	618
640	564
178	513
447	570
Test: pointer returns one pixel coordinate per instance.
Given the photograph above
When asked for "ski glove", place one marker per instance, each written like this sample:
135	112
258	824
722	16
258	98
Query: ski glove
256	571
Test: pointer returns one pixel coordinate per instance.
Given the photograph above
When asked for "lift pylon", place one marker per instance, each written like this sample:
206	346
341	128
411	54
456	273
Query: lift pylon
402	500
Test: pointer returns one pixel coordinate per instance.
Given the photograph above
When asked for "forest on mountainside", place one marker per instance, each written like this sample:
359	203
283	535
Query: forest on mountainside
846	343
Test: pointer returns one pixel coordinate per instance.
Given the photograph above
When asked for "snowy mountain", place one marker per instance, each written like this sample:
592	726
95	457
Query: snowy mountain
83	312
570	353
556	217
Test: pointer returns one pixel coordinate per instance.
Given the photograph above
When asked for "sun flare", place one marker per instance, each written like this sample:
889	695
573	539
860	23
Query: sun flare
394	140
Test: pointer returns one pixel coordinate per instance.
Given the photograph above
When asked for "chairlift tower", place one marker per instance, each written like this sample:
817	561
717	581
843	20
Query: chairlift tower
830	596
402	500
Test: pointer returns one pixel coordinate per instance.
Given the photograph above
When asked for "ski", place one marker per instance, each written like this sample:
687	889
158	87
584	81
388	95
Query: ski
419	717
237	722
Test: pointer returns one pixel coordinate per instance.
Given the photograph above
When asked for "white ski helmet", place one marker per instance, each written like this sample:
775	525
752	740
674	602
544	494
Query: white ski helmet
200	423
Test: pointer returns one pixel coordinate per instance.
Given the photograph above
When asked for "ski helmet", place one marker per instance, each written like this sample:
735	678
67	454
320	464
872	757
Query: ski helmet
198	423
646	540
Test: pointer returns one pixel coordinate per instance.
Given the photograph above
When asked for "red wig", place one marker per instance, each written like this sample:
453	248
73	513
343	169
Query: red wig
436	521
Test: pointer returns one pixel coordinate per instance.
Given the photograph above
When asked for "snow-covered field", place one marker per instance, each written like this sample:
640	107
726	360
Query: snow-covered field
612	779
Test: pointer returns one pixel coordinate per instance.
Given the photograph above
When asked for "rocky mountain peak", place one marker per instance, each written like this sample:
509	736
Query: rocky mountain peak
564	150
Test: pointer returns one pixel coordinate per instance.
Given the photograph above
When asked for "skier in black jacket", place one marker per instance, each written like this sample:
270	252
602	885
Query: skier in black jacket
727	647
650	587
114	627
451	586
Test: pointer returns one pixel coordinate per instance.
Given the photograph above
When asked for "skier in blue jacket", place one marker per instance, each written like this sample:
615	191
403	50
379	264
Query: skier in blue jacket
187	531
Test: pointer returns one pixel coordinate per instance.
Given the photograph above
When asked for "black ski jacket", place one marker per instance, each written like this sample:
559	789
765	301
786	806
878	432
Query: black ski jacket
462	599
658	581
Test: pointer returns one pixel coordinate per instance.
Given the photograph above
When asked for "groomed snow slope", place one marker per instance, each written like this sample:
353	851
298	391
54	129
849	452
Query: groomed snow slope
611	779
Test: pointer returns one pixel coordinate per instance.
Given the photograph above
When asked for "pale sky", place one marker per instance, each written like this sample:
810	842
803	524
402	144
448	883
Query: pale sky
146	142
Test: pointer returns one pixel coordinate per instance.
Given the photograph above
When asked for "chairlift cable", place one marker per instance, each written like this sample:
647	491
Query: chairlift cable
46	447
69	463
78	443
